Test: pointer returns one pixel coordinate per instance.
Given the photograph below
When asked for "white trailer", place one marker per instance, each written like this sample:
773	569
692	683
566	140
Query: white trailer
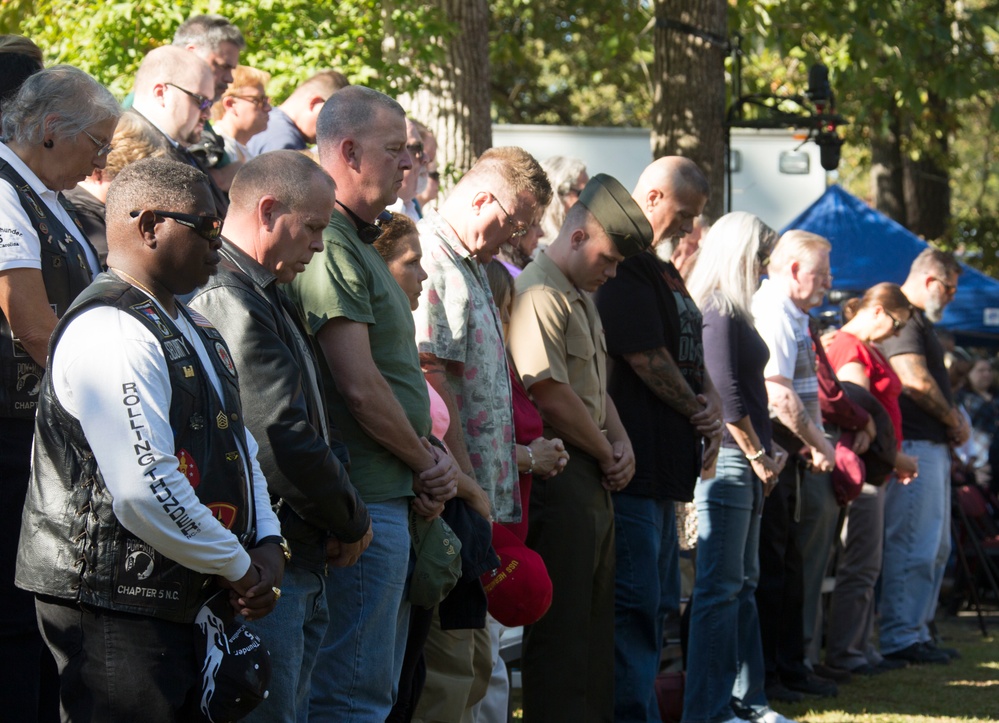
774	174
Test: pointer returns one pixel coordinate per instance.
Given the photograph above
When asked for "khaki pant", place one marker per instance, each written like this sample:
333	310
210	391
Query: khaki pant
459	665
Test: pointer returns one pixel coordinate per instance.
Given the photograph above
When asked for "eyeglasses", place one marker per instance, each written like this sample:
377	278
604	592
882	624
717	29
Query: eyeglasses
763	258
951	289
203	102
520	230
261	101
896	325
434	176
573	189
415	150
208	227
102	148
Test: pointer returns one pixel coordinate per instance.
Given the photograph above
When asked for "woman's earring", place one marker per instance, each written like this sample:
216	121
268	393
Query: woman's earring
48	143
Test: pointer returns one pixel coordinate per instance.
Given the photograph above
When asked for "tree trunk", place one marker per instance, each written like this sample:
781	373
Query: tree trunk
454	101
688	112
927	176
887	188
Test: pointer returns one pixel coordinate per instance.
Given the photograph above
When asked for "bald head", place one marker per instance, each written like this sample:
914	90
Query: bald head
288	176
167	87
280	203
672	191
170	64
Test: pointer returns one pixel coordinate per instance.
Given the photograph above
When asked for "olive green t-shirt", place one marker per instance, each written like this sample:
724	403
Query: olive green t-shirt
349	279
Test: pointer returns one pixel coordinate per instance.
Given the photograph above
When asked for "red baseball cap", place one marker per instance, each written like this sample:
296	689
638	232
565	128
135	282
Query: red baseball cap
519	591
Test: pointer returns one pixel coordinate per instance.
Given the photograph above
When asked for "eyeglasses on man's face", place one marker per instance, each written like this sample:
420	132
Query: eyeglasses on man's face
208	227
519	230
951	289
203	102
416	151
260	101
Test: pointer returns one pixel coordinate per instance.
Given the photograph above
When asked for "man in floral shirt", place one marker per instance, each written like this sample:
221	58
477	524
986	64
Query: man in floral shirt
460	339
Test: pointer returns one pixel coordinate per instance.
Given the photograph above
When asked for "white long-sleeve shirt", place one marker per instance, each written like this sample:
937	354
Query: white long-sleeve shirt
109	373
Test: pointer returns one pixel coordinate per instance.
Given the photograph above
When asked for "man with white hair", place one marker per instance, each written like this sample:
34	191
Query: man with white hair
799	278
174	90
917	515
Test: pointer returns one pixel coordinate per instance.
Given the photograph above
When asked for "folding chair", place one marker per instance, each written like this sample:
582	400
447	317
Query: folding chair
976	539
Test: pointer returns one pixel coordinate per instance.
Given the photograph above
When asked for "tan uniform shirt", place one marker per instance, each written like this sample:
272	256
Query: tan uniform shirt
555	333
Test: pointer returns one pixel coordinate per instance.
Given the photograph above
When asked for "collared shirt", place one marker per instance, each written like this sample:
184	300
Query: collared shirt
458	322
20	247
784	328
555	333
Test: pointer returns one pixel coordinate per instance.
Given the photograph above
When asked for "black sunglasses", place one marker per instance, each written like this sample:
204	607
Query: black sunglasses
367	232
208	227
416	151
896	325
203	102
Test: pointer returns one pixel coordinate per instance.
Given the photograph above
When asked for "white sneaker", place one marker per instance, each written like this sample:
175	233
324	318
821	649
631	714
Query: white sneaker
772	716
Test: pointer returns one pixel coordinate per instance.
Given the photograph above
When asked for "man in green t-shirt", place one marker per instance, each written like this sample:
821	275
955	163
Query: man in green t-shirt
377	398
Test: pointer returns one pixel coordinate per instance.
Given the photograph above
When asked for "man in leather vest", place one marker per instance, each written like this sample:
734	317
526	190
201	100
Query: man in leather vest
281	203
145	495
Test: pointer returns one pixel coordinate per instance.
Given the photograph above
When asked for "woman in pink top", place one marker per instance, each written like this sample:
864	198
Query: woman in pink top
853	353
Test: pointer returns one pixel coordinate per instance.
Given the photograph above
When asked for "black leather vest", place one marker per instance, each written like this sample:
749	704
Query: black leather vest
72	546
65	273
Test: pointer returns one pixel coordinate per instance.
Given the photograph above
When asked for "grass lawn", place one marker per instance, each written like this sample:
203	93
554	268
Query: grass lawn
966	691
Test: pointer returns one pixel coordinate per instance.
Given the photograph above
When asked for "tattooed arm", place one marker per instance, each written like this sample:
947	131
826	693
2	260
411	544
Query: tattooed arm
661	375
787	406
922	389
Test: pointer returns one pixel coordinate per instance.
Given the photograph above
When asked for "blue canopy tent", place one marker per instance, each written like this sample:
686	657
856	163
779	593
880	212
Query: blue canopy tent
868	247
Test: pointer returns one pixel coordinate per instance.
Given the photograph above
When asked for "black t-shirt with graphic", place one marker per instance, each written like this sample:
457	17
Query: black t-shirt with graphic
646	306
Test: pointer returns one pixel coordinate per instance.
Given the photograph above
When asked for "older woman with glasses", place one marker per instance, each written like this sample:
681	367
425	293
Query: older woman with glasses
56	130
725	672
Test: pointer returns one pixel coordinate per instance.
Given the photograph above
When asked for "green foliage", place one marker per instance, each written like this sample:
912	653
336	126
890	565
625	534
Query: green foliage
571	62
290	39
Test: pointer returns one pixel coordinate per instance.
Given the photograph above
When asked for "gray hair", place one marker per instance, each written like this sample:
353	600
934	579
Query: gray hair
208	32
76	100
350	111
563	172
286	175
153	183
729	264
935	261
797	245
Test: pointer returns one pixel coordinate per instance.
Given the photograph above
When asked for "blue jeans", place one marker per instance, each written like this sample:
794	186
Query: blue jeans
357	671
292	634
917	545
646	588
725	655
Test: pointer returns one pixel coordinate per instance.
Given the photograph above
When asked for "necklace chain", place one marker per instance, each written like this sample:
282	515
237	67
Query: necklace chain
135	282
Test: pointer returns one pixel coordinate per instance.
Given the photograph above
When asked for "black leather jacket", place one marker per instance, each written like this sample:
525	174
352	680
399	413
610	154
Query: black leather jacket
306	475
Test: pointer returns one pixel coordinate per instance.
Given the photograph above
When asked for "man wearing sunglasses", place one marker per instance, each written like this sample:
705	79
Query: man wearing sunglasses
173	99
917	515
406	204
140	430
